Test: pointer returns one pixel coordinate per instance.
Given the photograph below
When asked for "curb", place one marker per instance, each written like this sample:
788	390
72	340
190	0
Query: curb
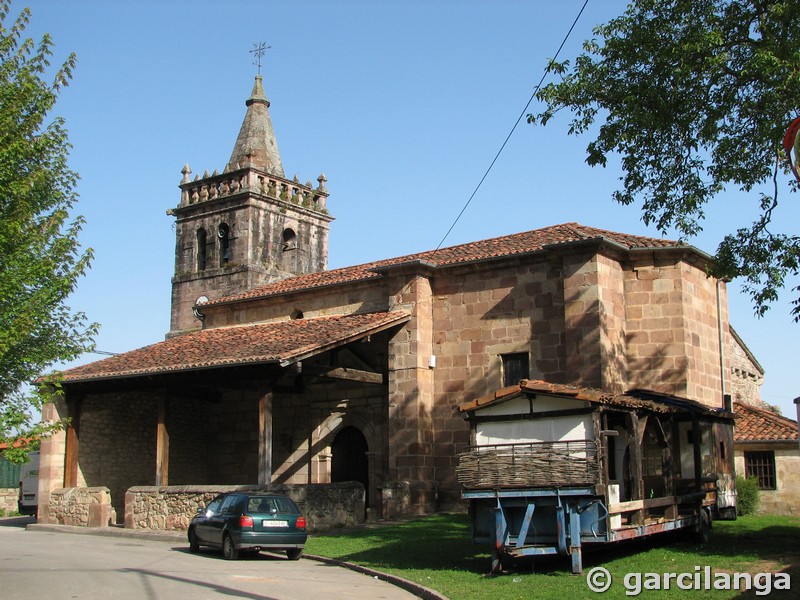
180	536
135	534
415	588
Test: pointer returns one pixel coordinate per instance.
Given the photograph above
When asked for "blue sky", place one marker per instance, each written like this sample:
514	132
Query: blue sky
402	104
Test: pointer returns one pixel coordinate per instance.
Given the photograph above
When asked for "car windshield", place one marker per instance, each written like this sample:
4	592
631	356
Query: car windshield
266	504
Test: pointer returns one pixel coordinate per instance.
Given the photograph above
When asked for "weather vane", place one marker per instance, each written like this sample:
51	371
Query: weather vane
258	51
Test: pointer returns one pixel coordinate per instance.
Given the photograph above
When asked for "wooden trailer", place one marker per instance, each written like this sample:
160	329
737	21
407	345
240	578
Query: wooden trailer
555	468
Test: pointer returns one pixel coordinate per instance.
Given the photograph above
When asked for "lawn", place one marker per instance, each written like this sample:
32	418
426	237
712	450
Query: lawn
437	552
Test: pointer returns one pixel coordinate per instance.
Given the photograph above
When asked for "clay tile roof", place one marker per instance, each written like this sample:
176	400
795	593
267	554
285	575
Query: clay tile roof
506	246
758	425
282	343
646	399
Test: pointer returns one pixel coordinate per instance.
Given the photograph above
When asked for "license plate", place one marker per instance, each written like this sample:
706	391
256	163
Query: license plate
274	523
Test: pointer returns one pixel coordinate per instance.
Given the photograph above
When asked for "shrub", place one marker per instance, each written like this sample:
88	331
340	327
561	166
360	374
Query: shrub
747	495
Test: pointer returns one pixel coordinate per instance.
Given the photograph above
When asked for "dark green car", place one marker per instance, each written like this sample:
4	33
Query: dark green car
249	522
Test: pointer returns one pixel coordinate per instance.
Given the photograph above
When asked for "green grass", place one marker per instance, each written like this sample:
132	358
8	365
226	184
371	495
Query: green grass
437	552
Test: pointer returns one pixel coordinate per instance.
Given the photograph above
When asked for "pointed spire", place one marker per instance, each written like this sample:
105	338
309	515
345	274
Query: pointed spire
256	143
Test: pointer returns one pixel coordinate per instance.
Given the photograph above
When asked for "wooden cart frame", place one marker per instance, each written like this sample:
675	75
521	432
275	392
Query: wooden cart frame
620	467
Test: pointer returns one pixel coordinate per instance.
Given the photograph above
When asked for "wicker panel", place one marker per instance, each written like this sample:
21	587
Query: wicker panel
541	464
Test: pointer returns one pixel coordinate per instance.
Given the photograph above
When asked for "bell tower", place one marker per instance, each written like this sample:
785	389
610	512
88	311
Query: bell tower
247	226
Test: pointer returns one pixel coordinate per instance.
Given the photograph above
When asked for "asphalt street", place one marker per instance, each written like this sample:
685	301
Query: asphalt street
56	565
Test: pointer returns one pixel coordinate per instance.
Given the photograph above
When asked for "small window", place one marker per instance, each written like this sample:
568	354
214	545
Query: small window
515	368
213	507
230	505
761	466
201	249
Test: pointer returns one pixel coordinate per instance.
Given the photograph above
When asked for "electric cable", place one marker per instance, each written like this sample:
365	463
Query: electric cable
522	114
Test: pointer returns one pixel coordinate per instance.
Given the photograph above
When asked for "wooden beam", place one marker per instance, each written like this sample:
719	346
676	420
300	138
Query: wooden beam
635	436
265	438
623	507
534	416
343	373
697	440
72	443
162	445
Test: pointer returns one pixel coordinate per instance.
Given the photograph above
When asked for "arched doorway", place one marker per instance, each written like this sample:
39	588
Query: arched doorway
349	460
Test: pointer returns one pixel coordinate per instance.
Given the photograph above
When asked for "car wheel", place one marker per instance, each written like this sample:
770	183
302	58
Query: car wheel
294	553
229	551
194	546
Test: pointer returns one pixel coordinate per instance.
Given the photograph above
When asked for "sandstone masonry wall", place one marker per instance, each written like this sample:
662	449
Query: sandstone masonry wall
746	377
9	498
786	499
673	330
481	313
117	443
85	507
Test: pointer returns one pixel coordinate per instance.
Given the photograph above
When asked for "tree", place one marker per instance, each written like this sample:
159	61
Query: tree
695	96
40	257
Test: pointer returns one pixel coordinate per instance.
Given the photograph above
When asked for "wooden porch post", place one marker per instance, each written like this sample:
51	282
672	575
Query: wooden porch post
162	445
697	440
636	435
72	443
265	438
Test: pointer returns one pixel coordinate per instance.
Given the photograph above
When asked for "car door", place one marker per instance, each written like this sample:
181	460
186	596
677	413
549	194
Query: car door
202	523
227	511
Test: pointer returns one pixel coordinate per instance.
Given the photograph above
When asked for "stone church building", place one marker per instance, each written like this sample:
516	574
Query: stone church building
276	370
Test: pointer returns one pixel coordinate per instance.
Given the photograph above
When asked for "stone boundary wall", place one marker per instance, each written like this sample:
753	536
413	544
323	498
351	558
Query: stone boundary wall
9	500
86	507
325	505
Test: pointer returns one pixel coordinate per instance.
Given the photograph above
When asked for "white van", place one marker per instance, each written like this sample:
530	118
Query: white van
29	484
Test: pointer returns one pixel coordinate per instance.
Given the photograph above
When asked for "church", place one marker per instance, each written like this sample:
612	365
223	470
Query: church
278	371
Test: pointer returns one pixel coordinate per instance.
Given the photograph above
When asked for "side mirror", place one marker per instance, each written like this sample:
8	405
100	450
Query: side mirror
200	510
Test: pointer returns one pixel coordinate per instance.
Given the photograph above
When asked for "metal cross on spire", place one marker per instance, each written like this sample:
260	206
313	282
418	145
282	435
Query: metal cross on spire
258	51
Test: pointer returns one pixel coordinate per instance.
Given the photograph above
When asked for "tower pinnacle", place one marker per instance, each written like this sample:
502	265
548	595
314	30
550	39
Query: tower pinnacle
256	144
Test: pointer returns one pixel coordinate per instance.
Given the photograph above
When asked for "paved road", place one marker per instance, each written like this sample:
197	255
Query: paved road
43	564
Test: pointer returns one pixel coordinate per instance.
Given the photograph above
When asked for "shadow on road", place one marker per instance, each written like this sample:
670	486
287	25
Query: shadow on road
243	555
149	578
20	522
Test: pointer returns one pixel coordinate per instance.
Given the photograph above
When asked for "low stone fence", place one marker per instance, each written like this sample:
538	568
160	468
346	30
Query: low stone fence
325	506
86	507
9	500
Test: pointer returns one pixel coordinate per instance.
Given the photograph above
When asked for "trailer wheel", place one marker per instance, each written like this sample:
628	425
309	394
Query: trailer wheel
702	532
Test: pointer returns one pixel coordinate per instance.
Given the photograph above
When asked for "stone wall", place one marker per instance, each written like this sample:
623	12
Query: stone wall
232	439
672	329
480	313
85	507
746	375
325	506
118	442
785	500
9	498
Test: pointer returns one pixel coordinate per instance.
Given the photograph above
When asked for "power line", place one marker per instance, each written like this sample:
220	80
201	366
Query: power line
522	114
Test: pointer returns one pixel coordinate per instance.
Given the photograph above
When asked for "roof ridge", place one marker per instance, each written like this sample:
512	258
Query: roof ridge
764	412
513	244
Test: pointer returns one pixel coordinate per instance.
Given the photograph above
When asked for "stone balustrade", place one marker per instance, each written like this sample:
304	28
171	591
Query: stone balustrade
216	185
